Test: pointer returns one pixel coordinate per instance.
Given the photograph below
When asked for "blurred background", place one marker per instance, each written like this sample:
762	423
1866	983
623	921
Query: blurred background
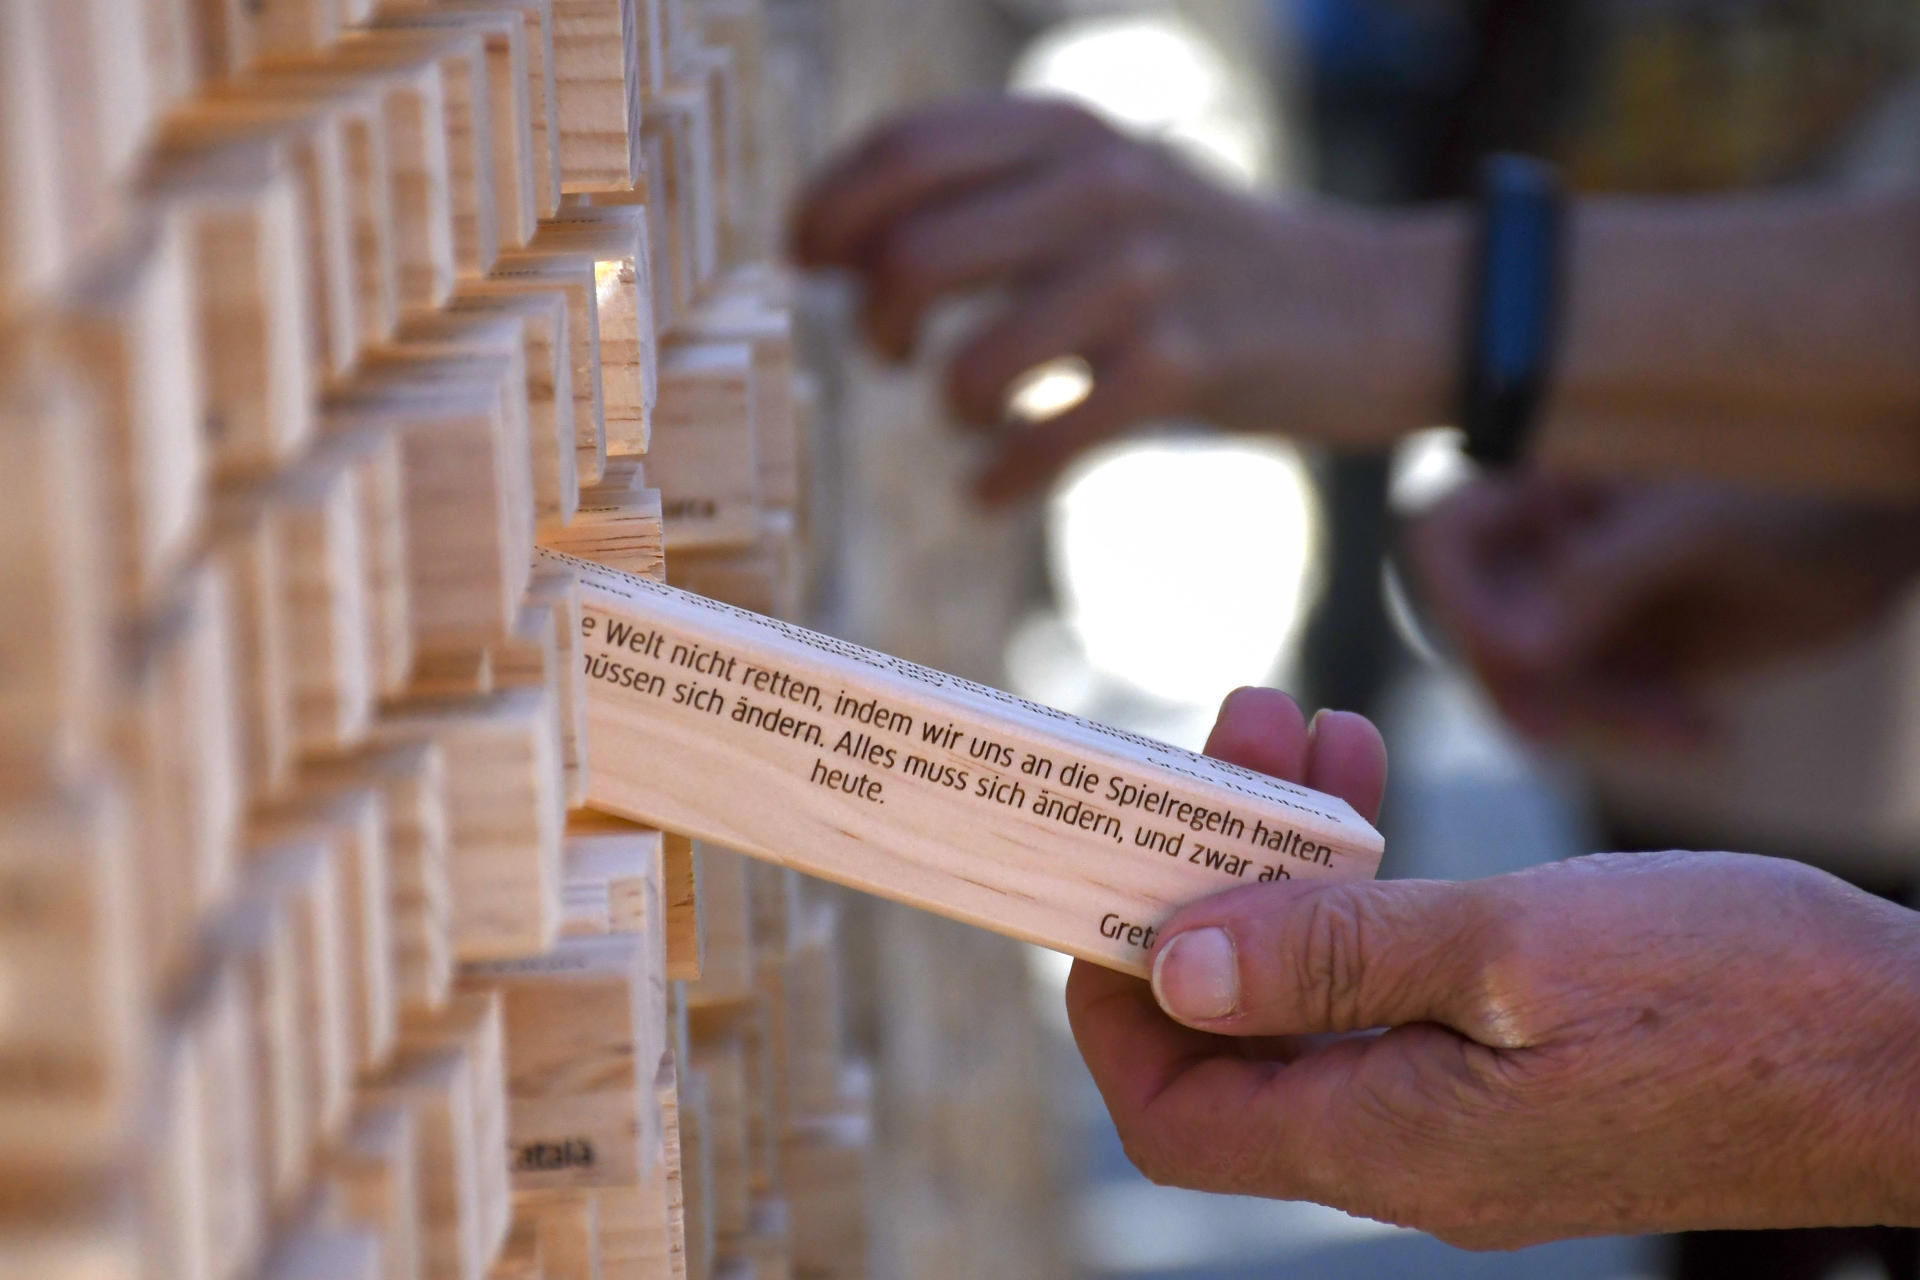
1167	570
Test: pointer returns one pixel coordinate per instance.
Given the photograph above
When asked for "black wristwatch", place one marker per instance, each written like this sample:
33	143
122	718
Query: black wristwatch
1514	294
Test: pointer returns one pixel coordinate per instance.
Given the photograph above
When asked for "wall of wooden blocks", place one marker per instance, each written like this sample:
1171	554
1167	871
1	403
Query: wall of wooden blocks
317	317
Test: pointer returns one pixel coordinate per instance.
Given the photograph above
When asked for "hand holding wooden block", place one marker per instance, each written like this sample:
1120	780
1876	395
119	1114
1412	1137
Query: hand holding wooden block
889	777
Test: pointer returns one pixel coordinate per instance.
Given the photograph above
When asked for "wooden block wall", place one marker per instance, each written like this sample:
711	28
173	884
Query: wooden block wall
316	318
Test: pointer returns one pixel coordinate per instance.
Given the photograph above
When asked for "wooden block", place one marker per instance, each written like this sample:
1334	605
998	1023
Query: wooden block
472	1023
36	238
580	1053
240	35
623	864
74	1037
243	203
601	50
574	278
767	577
639	1235
711	70
767	1244
721	1058
740	312
131	331
259	936
614	241
727	963
464	453
513	42
317	514
889	777
505	814
305	876
703	453
309	125
53	642
567	1224
810	1073
543	121
739	26
413	784
437	1084
520	1258
351	815
374	456
177	731
696	152
91	1235
685	909
827	1166
696	1172
560	592
376	1167
626	534
552	435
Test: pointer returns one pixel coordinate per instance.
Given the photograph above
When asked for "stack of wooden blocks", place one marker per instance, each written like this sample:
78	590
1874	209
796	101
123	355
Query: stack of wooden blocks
316	318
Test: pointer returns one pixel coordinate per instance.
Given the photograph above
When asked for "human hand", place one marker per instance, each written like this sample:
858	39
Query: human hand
1615	606
1185	299
1611	1044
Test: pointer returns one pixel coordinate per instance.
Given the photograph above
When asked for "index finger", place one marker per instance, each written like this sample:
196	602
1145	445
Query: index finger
924	157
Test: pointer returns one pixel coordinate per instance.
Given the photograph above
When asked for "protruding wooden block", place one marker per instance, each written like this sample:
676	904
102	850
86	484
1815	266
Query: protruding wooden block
703	454
721	1058
560	592
685	905
373	454
505	807
472	1024
520	1258
317	512
74	1033
305	876
437	1087
376	1166
91	1234
827	1161
896	779
740	311
727	965
132	332
36	236
767	577
623	862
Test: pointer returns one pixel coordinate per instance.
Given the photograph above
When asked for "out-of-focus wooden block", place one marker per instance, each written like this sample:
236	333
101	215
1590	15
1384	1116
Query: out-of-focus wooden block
739	310
727	964
90	1234
351	814
703	453
133	334
720	1056
767	577
602	50
376	1166
246	547
327	1254
176	729
472	1023
74	1034
574	277
412	779
242	202
305	878
513	41
372	453
520	1257
552	436
317	512
624	863
827	1162
506	809
685	909
54	677
36	236
567	1224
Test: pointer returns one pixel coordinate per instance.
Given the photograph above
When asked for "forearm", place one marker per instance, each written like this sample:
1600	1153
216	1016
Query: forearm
1774	339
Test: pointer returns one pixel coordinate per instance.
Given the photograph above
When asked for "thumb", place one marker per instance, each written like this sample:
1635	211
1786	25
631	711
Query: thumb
1302	959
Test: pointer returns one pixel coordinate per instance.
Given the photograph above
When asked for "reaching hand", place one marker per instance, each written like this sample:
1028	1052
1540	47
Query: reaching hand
1612	606
1187	300
1611	1044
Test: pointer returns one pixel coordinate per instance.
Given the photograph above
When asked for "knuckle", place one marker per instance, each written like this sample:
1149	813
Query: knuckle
1331	972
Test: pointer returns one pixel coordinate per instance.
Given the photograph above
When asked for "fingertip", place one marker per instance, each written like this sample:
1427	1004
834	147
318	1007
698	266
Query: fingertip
1347	757
1260	729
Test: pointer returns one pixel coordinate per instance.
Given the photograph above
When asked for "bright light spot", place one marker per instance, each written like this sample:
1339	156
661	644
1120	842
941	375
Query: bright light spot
1157	75
1427	466
1183	565
1049	390
606	278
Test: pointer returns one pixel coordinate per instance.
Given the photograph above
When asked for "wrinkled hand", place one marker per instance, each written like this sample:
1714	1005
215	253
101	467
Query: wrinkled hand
1187	300
1614	607
1611	1044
